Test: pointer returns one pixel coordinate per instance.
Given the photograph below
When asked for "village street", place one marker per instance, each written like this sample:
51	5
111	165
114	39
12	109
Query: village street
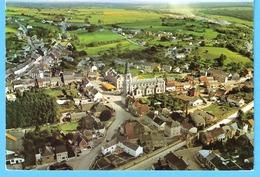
85	161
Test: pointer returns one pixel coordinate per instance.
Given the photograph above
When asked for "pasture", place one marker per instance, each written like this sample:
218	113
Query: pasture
214	52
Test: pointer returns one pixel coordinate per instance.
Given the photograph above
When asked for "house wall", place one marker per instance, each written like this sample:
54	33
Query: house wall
130	151
197	102
170	88
47	159
61	156
108	150
239	104
98	96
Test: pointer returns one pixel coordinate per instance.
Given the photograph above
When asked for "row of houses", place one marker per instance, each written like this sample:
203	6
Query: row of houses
226	132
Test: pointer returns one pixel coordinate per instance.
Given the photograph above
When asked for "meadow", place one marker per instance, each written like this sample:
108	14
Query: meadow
214	52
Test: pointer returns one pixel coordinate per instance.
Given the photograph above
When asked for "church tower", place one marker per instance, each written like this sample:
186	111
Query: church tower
127	80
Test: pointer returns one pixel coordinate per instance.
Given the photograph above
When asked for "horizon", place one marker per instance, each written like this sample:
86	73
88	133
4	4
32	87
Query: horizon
131	1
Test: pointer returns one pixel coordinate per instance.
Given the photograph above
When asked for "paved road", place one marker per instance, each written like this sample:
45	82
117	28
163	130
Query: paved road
85	161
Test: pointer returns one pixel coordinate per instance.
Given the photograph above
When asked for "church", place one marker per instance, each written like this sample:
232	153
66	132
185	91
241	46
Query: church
140	87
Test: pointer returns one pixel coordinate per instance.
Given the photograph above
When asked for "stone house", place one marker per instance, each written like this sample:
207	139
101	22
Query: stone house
172	128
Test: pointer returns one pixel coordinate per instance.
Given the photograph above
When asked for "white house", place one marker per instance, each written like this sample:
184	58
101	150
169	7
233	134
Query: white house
131	149
95	94
196	102
109	147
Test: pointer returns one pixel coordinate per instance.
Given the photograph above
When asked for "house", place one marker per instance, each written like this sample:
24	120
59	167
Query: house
198	120
131	149
156	67
172	128
36	73
156	120
93	76
176	116
236	100
213	161
109	147
100	128
138	109
80	141
99	107
248	72
152	140
192	92
175	162
10	97
95	94
219	94
13	159
251	124
133	129
195	101
167	68
87	134
218	134
180	55
229	133
45	155
188	127
114	78
218	75
61	153
201	156
236	77
209	118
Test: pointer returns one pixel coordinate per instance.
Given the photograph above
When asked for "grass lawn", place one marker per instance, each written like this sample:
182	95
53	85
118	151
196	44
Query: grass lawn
220	111
63	127
68	127
215	52
57	91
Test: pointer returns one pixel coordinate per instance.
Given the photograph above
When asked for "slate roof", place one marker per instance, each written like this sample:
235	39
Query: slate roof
60	149
178	162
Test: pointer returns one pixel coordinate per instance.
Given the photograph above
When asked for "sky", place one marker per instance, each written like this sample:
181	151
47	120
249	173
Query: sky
134	1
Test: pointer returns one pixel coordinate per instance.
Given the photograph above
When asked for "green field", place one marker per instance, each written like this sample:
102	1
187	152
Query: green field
214	52
98	36
10	30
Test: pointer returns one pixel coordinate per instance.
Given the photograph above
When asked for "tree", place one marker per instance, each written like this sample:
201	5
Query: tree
220	60
105	115
86	20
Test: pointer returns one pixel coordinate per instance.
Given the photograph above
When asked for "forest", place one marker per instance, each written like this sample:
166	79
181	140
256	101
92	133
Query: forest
31	109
